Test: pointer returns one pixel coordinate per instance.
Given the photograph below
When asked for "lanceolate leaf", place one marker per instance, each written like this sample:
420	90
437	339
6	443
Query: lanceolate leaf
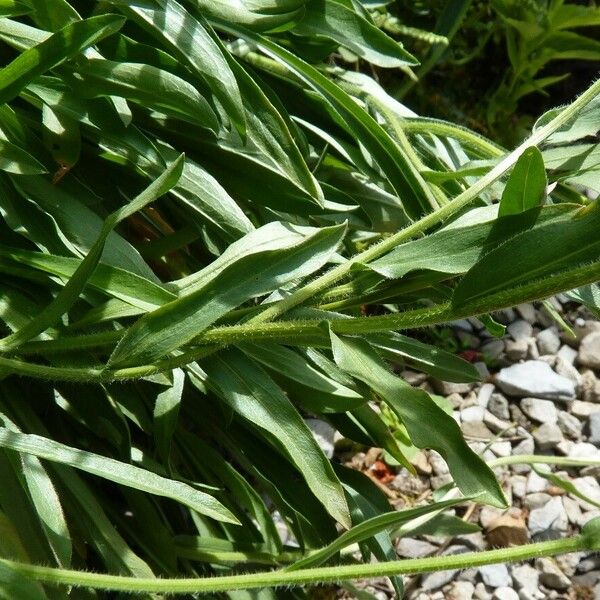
368	529
339	22
64	44
177	323
252	394
16	160
544	250
526	186
118	472
427	424
390	159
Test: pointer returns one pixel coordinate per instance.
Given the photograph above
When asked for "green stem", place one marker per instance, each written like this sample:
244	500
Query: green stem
527	459
301	577
432	219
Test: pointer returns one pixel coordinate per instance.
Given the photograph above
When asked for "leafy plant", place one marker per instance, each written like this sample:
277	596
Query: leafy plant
197	211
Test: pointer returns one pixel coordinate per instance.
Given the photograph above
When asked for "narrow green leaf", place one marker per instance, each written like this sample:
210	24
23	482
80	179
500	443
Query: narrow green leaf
370	528
53	14
11	8
73	288
542	252
64	44
339	22
149	86
118	472
61	136
187	38
251	393
16	160
359	124
166	413
526	186
244	277
427	424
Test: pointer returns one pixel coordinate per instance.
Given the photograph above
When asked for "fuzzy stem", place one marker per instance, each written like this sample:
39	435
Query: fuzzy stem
301	577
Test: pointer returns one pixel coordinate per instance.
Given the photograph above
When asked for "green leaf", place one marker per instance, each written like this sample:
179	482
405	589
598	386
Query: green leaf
11	8
338	22
294	253
359	124
545	250
60	46
116	471
73	288
166	413
188	40
526	186
149	86
16	160
53	14
427	424
370	528
252	394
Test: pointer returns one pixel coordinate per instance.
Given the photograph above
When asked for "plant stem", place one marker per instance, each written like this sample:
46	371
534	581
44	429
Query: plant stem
301	577
428	221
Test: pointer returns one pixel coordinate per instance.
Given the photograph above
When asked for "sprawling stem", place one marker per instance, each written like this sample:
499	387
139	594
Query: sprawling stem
300	577
428	221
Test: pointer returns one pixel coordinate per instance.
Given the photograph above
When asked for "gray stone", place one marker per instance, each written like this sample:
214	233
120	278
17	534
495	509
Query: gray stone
567	353
547	436
498	406
549	522
445	388
571	426
324	434
516	350
573	510
493	349
461	590
589	351
551	576
589	386
526	446
536	499
477	430
542	411
472	414
518	484
520	330
501	448
593	428
525	577
484	394
434	581
494	423
548	341
566	369
527	312
589	487
505	593
495	575
581	450
584	328
482	369
583	409
413	548
534	379
533	353
481	593
439	465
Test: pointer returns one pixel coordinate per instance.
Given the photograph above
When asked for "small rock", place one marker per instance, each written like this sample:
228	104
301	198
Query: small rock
573	510
472	414
324	434
527	312
476	429
498	406
571	426
520	330
548	341
494	423
547	436
413	548
590	386
505	593
495	575
549	522
445	388
440	467
584	328
507	530
516	350
551	576
434	581
485	393
534	379
461	590
542	411
481	593
501	448
533	353
583	409
493	349
566	369
589	351
415	379
536	500
593	428
524	447
440	481
525	578
589	487
581	450
567	353
518	484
